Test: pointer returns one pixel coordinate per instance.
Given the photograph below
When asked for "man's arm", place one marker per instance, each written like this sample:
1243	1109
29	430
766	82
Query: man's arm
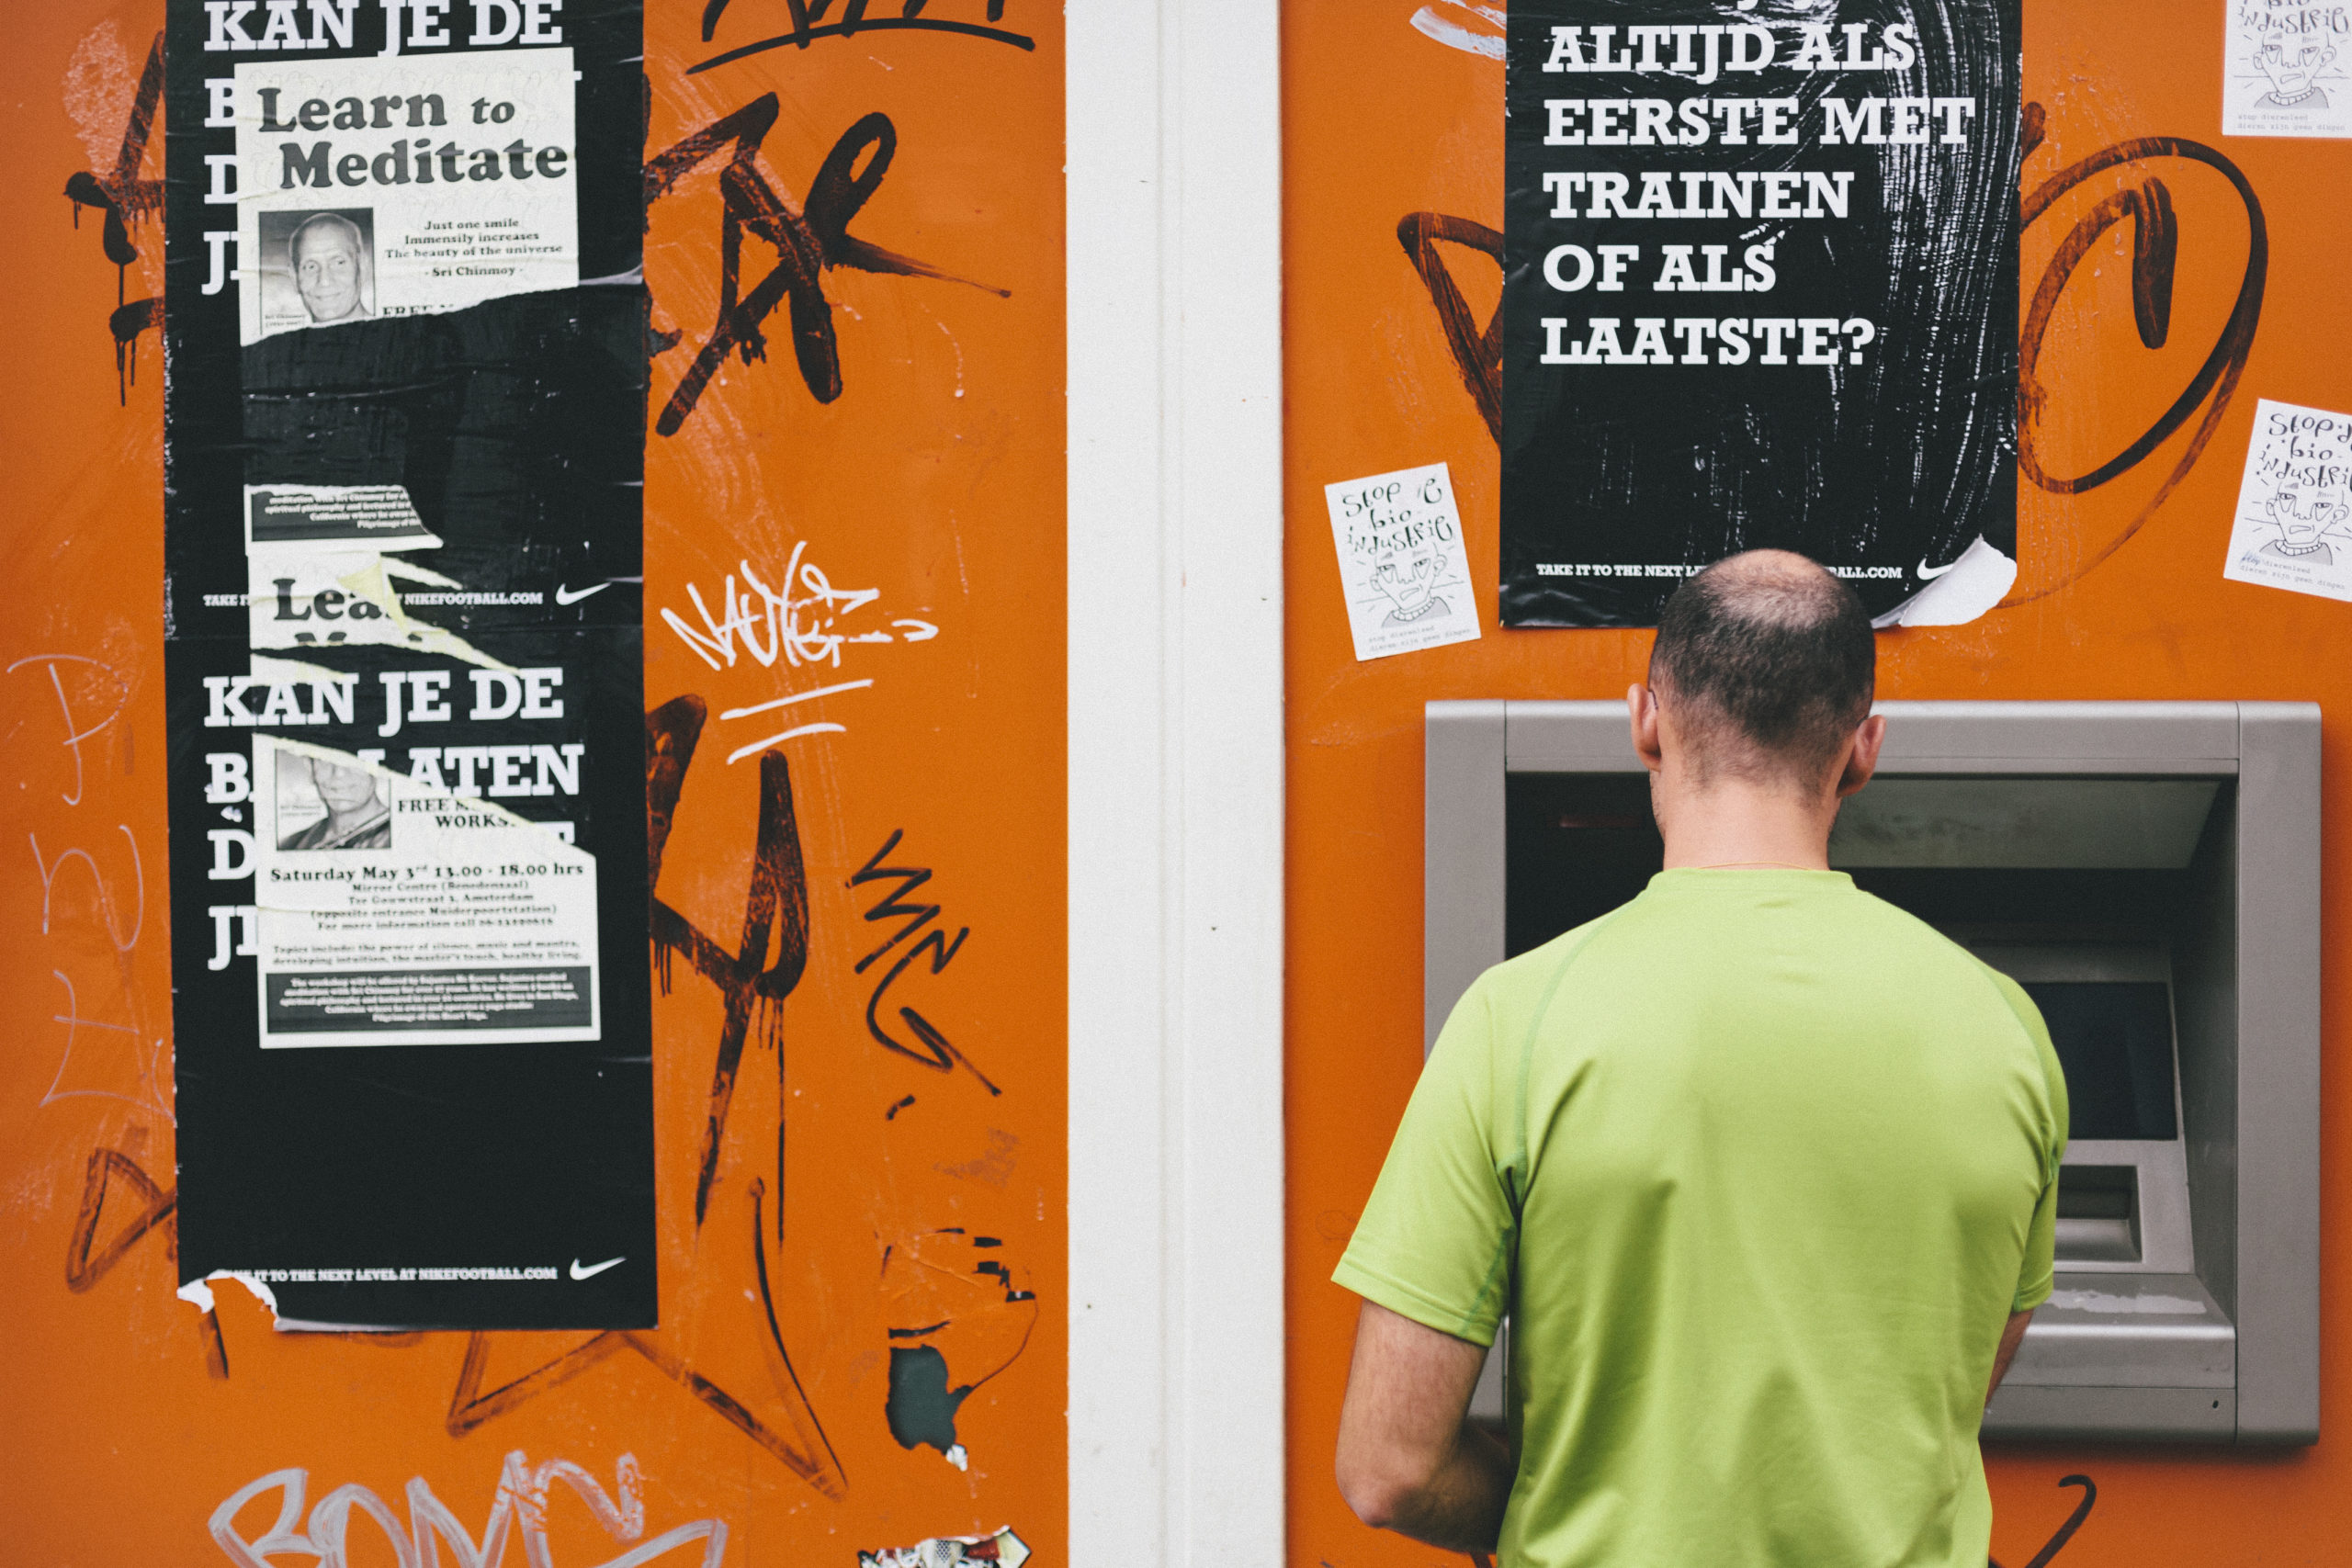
1408	1460
2011	1337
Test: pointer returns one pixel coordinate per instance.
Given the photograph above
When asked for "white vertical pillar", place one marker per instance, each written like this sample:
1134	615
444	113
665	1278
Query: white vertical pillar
1175	785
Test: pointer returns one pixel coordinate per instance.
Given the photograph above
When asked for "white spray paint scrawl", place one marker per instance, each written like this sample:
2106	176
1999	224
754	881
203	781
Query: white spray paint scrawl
2293	528
2286	69
1402	567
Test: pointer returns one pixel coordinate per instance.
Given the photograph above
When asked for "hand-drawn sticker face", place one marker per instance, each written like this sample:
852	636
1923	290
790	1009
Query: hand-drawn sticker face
1407	570
1403	570
318	266
324	804
2283	71
2293	64
2304	517
2292	525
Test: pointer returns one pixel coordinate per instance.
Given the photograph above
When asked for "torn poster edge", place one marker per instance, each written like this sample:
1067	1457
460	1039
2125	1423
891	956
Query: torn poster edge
1973	585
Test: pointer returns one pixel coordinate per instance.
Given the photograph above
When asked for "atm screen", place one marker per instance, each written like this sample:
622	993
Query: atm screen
2114	1043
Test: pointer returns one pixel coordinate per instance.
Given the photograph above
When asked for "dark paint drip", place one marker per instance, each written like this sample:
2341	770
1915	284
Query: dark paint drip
2154	255
903	1102
939	1051
82	1270
921	1407
1478	355
806	242
2057	1542
2050	1550
776	914
672	732
923	1396
796	1393
126	198
807	13
470	1407
919	1333
85	1267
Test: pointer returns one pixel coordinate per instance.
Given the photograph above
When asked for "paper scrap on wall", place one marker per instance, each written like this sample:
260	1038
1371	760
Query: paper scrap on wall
1003	1549
2285	71
2293	525
1402	564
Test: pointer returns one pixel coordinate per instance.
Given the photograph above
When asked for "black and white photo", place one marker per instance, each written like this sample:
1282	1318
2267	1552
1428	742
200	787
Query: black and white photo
328	805
318	266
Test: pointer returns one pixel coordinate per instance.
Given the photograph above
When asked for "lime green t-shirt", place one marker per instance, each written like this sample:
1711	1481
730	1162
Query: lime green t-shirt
1759	1165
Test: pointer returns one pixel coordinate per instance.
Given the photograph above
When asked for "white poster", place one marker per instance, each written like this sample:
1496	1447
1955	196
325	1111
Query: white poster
401	186
2286	70
399	911
1402	566
2293	526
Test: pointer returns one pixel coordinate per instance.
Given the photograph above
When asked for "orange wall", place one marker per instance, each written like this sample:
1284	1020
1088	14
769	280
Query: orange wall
937	479
1383	121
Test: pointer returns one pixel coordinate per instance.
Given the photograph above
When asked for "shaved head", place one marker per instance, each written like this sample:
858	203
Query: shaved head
1767	664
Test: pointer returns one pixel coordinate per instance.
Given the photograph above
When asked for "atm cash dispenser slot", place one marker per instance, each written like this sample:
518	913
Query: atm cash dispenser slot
2148	872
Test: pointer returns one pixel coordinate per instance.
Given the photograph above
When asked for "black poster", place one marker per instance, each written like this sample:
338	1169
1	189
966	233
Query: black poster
1759	290
405	331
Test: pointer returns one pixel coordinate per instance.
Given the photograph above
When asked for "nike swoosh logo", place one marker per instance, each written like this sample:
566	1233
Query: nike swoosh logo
595	1269
1926	574
566	596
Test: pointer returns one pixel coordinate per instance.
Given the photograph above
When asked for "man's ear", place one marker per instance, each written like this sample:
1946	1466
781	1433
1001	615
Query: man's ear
1641	709
1862	760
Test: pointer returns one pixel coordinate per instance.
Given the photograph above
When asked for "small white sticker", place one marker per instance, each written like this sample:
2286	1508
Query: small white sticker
1402	567
2286	69
2293	528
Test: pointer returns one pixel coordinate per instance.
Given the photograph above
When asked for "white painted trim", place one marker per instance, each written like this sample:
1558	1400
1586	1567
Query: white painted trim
1175	785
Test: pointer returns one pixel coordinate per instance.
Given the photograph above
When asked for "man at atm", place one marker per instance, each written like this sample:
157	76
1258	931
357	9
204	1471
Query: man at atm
1762	1170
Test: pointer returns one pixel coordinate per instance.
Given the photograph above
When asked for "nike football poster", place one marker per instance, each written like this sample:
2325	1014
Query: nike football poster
403	524
1760	284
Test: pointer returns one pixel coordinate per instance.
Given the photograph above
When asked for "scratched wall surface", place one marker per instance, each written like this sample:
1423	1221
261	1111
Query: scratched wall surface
2133	441
853	525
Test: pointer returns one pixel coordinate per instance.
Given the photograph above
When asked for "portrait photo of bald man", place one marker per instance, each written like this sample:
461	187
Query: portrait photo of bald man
319	267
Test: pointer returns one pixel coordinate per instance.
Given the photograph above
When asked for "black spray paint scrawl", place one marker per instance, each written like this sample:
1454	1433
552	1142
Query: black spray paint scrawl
1760	286
404	538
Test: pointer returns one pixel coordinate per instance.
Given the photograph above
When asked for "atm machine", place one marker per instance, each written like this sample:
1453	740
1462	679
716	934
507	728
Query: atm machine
2149	872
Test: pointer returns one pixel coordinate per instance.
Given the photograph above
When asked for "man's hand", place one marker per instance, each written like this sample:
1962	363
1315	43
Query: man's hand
1408	1461
2012	1336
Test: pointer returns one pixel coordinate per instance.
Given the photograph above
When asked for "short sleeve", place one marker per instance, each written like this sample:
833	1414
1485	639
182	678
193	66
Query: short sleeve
2034	1276
1434	1242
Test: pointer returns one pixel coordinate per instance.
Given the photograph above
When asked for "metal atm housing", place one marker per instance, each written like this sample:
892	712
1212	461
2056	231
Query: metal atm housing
2150	872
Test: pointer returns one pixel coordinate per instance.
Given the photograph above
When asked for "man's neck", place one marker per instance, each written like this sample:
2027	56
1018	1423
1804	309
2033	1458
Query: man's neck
1730	822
